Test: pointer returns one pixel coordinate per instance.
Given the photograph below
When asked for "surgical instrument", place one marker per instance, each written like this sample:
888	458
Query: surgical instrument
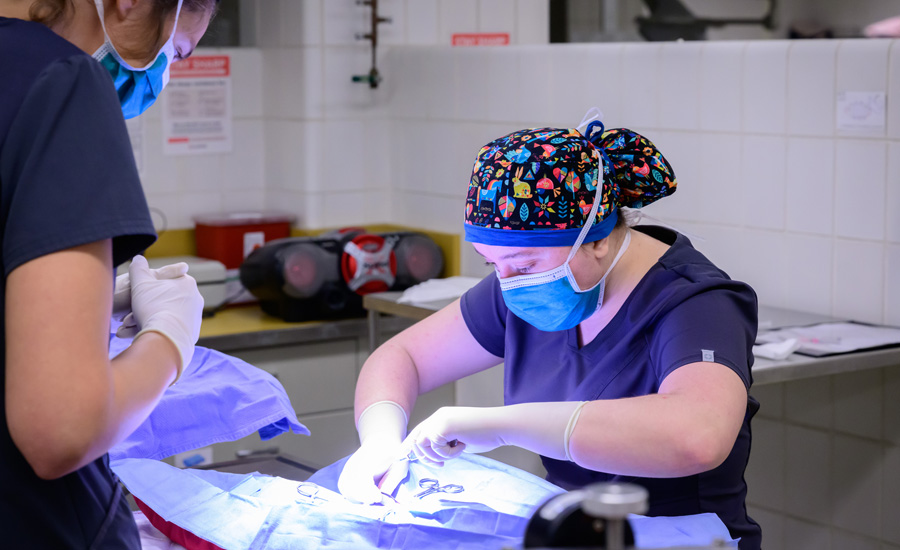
432	486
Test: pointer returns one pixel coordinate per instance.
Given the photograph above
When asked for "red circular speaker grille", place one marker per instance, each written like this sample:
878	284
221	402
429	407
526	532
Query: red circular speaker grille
419	257
367	266
303	271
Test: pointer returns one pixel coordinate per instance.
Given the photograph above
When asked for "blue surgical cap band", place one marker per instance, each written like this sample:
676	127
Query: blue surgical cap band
539	237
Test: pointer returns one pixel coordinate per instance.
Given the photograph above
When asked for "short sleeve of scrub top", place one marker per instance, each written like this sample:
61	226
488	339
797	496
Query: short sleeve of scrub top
68	171
67	178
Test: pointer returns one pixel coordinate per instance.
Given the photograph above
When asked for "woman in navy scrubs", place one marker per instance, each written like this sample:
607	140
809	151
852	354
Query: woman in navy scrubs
627	352
71	209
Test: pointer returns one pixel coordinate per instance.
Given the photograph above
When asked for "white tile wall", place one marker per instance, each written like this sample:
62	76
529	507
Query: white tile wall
892	204
772	525
531	21
890	495
300	22
247	80
765	473
893	103
857	477
810	402
766	276
721	86
406	98
859	280
858	405
456	16
891	390
764	99
859	174
536	104
503	78
862	67
808	467
299	93
856	542
809	273
473	70
439	70
422	22
342	21
497	16
802	535
677	84
684	152
640	84
810	100
762	194
892	292
771	400
810	185
394	30
343	98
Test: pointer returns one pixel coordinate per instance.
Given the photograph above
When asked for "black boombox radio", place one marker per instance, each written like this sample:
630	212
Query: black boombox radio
325	277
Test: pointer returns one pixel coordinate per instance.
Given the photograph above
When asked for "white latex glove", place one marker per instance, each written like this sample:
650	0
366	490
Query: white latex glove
171	307
544	428
122	295
381	429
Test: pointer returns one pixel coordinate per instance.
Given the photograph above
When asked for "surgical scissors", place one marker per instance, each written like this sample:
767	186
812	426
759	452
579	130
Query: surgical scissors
432	486
310	491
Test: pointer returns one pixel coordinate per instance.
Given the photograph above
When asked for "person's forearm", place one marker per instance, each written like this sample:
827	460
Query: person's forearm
141	375
101	408
650	436
389	374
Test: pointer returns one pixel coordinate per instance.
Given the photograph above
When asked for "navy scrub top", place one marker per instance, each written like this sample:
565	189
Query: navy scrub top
684	310
67	178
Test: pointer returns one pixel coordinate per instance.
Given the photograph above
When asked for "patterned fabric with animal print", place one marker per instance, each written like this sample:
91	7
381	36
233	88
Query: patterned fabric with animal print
546	179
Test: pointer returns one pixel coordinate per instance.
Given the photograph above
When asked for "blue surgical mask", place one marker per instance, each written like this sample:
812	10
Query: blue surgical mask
552	300
137	88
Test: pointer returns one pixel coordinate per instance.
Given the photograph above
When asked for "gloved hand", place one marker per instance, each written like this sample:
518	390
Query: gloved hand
122	296
381	429
544	428
171	307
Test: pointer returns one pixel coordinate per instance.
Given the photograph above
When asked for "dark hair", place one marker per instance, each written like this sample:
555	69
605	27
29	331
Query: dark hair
51	12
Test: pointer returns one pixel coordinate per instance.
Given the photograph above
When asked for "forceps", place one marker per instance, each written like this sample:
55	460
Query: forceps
432	486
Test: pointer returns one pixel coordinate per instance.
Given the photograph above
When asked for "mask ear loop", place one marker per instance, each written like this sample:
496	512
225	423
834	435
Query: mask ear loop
592	114
594	207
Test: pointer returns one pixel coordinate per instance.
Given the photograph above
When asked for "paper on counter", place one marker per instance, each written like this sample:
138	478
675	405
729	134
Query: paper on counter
777	350
833	338
433	290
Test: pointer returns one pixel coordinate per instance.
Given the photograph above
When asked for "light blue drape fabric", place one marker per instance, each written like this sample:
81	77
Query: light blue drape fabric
218	398
243	512
255	511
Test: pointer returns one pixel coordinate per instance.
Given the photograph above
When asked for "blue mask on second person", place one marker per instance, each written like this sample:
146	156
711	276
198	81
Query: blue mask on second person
552	301
137	88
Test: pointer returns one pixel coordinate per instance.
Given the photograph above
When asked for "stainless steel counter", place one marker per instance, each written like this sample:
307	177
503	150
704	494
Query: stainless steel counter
248	328
383	307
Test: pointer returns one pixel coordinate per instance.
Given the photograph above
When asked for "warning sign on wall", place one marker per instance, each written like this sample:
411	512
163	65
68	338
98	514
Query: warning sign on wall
481	39
197	106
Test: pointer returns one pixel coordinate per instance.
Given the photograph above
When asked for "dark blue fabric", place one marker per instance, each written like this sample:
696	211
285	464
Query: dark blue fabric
67	178
683	305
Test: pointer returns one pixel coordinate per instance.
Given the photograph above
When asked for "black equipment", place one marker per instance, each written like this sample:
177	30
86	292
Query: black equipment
311	278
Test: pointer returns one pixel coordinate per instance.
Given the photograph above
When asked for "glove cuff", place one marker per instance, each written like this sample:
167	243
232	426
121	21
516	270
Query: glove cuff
386	418
184	355
570	427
